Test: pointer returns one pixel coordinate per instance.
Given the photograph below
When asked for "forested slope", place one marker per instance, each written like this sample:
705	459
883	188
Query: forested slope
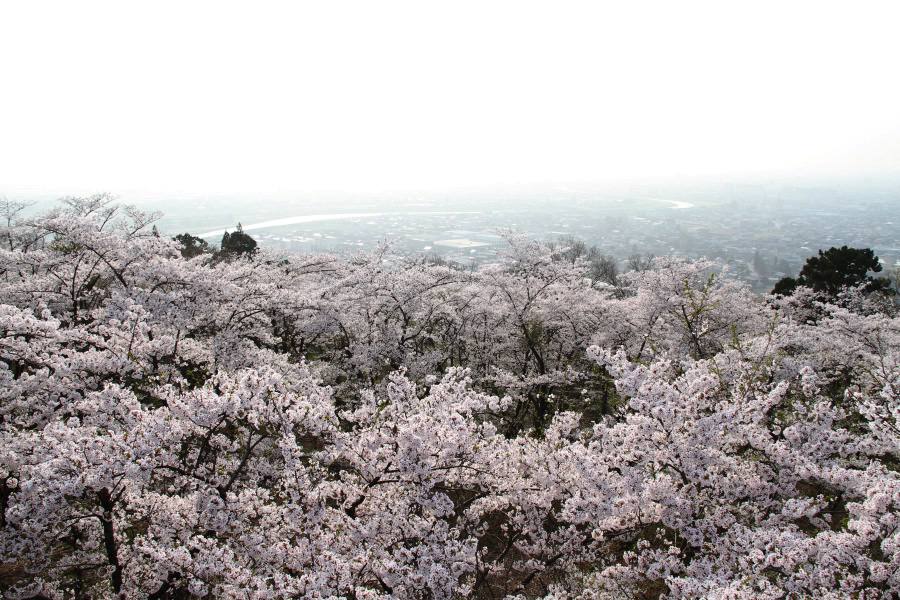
245	425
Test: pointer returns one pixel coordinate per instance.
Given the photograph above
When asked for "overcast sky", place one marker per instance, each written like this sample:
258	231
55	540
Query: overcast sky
220	96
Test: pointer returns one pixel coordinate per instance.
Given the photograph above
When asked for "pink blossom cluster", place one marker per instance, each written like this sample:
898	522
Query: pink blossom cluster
377	426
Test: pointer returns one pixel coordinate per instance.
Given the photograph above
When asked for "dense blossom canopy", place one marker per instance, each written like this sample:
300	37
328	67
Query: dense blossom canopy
176	425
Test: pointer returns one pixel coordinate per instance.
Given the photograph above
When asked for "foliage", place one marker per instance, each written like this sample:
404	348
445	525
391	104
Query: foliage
835	270
377	426
237	243
191	246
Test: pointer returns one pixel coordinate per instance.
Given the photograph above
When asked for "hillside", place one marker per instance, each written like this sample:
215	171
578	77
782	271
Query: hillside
177	423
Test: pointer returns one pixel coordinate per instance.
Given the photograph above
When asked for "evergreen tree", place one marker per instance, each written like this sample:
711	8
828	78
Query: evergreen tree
191	245
835	269
238	243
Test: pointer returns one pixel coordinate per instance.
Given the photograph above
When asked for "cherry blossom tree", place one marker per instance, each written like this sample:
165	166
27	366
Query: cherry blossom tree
374	426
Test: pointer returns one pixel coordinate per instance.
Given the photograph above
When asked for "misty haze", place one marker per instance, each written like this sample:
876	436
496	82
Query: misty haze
510	299
761	231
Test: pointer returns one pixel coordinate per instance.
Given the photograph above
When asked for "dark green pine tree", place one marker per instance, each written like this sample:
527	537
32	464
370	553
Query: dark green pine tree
834	269
191	245
238	243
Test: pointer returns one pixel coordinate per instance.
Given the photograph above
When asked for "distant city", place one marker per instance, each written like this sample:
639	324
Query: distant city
762	232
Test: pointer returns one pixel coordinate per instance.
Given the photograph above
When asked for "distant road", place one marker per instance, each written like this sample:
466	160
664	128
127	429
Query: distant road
327	217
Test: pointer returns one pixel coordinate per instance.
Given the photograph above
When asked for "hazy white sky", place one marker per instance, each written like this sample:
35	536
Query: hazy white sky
220	96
